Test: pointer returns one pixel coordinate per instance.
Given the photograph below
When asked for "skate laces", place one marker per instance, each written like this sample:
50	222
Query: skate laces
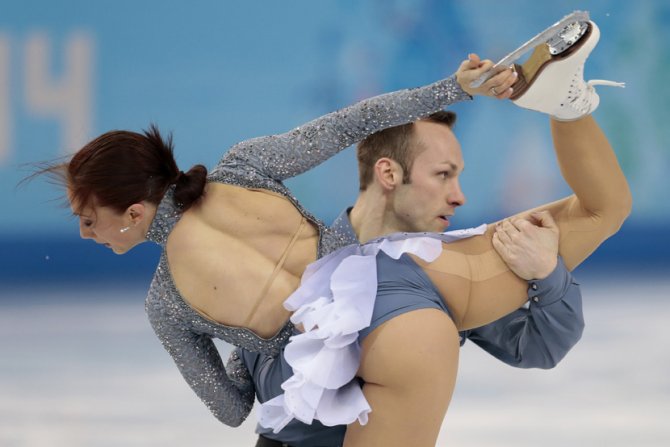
593	82
586	101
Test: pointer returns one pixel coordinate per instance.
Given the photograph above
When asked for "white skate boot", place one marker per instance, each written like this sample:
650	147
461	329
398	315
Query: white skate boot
551	80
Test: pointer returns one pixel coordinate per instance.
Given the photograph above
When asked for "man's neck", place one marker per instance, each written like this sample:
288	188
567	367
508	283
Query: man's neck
370	217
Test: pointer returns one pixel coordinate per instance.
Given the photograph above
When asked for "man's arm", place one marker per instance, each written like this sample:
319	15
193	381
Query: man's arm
409	366
540	336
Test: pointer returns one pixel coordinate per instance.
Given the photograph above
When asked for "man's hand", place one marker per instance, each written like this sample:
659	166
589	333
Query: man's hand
499	86
529	246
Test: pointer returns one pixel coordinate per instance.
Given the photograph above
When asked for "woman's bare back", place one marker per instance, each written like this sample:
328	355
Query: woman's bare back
237	255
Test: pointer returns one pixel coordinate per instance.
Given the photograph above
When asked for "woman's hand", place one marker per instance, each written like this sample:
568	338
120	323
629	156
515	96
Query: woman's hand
498	86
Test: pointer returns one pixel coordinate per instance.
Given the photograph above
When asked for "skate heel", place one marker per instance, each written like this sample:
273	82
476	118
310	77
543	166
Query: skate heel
529	70
544	54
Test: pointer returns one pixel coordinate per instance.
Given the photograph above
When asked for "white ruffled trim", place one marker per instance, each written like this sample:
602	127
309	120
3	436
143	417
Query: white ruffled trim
334	302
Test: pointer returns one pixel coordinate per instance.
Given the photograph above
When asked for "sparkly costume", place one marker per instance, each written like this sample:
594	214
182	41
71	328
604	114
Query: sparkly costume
263	163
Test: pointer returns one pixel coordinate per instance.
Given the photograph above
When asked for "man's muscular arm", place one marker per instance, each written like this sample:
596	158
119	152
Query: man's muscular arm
542	334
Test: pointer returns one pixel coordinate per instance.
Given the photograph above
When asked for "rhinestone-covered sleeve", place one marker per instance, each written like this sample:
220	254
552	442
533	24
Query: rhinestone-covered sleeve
200	364
289	154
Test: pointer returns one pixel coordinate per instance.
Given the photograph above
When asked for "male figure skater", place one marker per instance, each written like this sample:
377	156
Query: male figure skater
409	394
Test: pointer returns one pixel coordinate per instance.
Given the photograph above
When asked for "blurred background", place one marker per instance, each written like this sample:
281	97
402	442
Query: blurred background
79	365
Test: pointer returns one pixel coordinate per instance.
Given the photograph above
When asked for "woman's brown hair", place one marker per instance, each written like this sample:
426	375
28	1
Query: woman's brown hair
120	168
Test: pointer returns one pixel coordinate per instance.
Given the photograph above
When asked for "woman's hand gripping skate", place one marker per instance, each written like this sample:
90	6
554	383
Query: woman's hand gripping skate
498	86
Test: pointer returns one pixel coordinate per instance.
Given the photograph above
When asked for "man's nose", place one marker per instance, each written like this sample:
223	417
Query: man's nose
456	197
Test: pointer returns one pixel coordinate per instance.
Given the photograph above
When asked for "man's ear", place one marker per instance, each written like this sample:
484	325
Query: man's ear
136	212
388	173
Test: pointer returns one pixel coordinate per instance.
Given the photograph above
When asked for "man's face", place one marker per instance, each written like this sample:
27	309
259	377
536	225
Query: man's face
434	193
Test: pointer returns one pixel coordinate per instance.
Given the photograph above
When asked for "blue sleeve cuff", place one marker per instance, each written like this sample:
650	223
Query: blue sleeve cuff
543	292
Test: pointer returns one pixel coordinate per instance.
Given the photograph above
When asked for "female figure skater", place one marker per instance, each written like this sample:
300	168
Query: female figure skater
235	240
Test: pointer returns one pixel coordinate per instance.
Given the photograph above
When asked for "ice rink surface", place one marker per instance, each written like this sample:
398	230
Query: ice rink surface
81	367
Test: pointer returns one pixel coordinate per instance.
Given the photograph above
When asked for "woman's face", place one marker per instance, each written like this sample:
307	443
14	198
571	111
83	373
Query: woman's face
107	227
116	231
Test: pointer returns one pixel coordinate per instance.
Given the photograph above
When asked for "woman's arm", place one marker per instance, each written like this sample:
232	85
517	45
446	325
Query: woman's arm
294	152
200	364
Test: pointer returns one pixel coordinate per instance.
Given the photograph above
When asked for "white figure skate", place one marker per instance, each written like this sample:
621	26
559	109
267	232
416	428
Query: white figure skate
551	80
559	36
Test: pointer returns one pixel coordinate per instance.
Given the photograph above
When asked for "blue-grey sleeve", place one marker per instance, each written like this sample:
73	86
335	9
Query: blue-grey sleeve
540	336
286	155
200	364
239	374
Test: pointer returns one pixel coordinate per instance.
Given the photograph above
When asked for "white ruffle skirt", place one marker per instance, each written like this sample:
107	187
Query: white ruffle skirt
334	302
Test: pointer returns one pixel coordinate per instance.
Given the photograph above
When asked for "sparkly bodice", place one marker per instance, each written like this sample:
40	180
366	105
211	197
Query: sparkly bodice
263	163
165	300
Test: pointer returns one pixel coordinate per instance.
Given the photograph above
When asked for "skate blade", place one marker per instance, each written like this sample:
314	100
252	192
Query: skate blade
559	36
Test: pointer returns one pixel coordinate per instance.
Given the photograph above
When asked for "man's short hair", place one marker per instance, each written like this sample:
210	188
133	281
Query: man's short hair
397	143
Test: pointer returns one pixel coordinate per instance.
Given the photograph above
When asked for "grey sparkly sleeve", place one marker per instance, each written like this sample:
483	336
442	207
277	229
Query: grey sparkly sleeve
292	153
200	364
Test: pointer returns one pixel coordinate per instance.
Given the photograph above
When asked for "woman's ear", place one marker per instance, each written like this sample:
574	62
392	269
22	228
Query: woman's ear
136	212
